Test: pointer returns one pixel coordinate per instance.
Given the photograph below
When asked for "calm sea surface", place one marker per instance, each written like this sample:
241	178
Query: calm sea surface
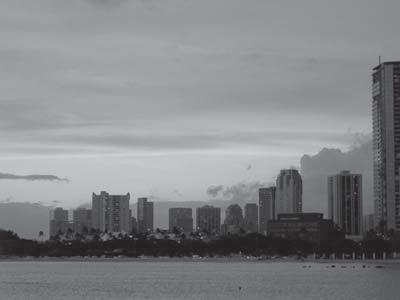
46	280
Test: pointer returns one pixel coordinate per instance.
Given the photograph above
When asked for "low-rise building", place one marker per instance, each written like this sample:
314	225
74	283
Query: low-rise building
310	226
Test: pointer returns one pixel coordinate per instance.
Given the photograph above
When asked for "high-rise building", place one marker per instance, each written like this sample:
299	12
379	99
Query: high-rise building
58	221
110	213
145	215
251	217
208	218
368	223
386	144
266	202
233	223
289	190
181	219
82	220
133	225
345	202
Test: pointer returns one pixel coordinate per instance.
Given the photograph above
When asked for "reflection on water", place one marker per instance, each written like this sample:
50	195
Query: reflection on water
196	280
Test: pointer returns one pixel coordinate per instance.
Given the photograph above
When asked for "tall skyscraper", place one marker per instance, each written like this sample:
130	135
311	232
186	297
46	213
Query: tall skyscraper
145	215
110	213
251	217
82	220
386	144
345	202
289	190
208	218
266	202
181	219
234	215
58	221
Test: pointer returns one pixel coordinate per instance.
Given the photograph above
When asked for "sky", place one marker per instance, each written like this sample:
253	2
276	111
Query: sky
165	98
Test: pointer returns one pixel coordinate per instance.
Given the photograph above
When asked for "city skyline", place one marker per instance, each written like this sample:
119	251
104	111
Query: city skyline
119	114
344	197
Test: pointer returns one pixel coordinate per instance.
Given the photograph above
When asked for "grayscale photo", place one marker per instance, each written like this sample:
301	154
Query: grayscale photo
199	149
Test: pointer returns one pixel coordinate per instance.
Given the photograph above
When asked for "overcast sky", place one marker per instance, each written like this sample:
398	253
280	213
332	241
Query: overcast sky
169	97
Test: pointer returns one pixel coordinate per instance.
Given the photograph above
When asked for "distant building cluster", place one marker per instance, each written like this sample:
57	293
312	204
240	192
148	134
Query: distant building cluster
280	207
109	213
279	210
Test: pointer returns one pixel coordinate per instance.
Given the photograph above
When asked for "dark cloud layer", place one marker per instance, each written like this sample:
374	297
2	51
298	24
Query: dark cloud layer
33	177
214	190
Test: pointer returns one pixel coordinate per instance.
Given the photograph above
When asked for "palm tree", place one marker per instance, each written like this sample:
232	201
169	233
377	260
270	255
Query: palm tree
41	236
69	233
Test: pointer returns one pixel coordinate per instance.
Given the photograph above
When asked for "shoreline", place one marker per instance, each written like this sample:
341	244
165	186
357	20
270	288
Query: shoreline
198	259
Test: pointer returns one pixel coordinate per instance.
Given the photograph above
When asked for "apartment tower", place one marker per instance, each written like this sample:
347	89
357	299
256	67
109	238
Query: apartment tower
386	144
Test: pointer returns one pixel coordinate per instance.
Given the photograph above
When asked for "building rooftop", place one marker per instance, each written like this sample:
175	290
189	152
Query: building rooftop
387	63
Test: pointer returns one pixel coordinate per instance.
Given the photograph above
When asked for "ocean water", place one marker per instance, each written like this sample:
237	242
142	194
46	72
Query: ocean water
50	280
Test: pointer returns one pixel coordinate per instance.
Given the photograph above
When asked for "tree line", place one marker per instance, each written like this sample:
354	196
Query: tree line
164	244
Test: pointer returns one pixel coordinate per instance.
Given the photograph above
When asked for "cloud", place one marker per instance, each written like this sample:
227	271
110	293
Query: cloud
315	170
240	193
243	192
33	177
213	191
88	140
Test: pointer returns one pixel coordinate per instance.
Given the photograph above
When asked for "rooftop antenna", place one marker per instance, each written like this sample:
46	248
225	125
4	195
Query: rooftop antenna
379	60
